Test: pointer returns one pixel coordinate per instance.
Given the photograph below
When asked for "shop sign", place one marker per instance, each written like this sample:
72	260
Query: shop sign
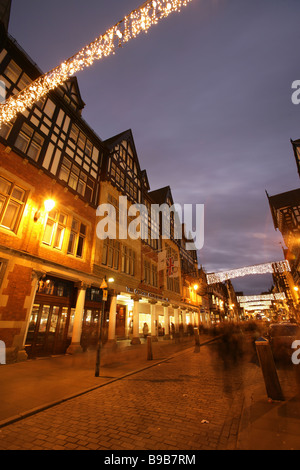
150	295
104	298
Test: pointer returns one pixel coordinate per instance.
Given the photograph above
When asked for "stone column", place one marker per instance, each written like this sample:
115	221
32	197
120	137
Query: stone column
166	320
75	346
153	320
183	311
136	334
176	318
28	304
112	320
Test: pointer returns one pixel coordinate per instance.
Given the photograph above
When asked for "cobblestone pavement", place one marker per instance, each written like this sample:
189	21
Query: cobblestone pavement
189	402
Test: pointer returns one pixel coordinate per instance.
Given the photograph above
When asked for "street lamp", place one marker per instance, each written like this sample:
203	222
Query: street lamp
104	287
49	204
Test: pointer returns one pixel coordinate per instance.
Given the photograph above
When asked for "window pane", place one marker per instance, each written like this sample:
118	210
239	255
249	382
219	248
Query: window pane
18	194
10	216
81	141
34	151
73	181
48	234
12	71
72	240
104	252
64	174
80	247
74	133
4	186
110	257
5	129
82	229
25	81
22	142
59	237
75	225
81	188
2	202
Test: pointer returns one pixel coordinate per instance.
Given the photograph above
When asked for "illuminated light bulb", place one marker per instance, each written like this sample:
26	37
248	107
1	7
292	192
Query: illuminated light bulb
119	34
49	205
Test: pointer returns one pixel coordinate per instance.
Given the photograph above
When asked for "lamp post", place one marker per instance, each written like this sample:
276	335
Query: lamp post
104	299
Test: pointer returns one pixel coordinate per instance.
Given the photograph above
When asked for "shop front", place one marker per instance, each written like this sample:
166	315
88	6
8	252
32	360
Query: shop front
135	314
52	316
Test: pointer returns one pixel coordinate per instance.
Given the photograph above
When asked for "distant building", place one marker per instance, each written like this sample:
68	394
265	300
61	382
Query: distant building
285	210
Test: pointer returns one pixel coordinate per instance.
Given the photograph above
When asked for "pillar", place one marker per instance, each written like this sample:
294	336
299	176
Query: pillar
78	318
176	318
112	320
35	276
153	320
184	320
166	320
136	334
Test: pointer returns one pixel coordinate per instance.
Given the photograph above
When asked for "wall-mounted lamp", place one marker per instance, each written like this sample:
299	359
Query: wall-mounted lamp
49	204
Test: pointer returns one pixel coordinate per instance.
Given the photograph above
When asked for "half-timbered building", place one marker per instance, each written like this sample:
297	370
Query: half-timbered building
47	154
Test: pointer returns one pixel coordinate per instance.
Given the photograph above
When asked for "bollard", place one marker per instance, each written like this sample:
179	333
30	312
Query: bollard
268	368
197	340
149	348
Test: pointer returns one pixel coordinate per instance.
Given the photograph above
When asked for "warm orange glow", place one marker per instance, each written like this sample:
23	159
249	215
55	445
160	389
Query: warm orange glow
49	205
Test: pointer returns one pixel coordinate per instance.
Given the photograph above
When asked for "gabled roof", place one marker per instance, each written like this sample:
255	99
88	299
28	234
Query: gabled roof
111	143
71	89
5	6
296	146
145	180
282	201
287	199
161	195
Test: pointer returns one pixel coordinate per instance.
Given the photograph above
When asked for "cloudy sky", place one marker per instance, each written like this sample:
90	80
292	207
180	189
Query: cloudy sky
207	94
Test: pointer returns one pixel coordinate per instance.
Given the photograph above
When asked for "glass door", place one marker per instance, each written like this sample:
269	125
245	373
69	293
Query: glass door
47	331
51	330
61	332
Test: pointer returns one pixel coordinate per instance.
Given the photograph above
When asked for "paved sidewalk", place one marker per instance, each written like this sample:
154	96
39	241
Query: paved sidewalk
269	425
28	387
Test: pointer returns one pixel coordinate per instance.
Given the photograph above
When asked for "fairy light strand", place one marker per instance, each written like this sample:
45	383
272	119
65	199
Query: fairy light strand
138	21
279	267
263	297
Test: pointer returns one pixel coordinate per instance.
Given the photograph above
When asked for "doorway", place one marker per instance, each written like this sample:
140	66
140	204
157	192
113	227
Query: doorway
120	321
48	330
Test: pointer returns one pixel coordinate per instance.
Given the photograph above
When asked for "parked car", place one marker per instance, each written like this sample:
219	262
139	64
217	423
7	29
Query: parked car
281	337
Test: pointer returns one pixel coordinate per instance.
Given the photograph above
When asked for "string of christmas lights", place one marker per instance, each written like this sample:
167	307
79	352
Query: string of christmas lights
279	267
138	21
252	298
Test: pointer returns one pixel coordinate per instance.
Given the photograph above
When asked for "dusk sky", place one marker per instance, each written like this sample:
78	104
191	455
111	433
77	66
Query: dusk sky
207	95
